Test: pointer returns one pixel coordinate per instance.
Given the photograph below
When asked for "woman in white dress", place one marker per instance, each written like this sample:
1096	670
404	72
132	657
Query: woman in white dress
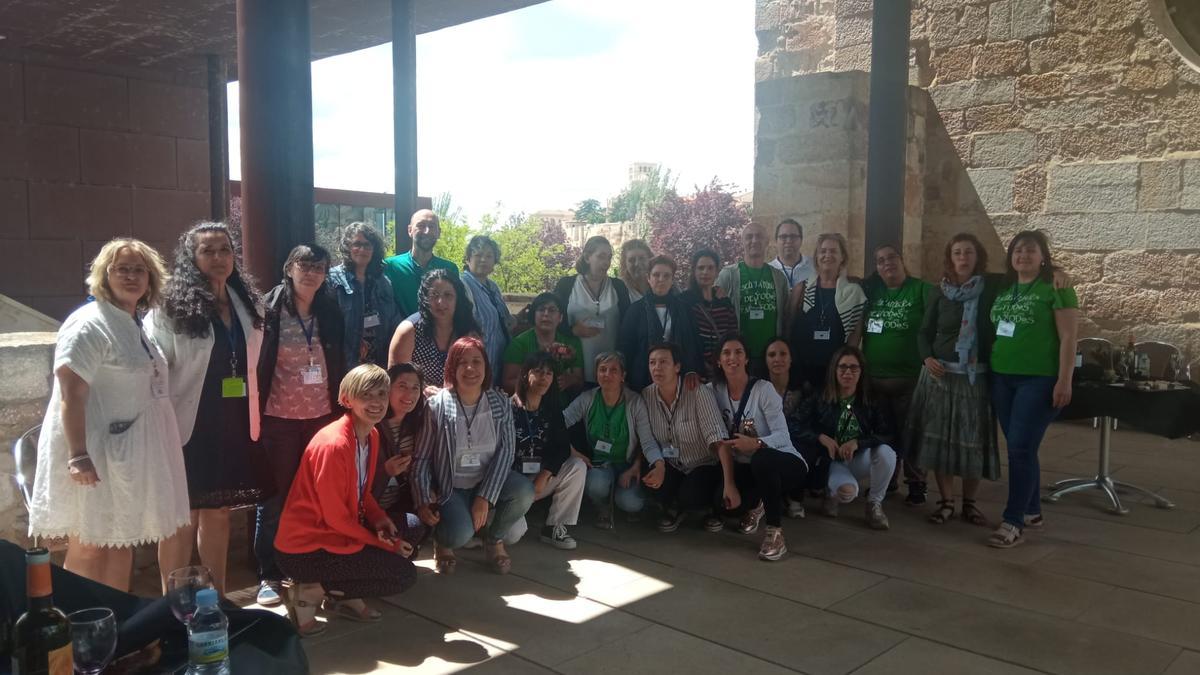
110	472
595	303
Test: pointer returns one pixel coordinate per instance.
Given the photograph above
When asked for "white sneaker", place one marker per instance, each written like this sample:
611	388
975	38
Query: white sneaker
795	509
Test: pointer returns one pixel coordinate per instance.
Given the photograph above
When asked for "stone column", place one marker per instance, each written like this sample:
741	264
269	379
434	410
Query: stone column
275	90
404	114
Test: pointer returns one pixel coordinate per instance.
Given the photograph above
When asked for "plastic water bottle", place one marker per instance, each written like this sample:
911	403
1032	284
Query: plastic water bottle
208	637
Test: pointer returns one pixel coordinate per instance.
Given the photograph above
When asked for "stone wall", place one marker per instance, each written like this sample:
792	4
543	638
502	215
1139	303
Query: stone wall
1075	117
88	153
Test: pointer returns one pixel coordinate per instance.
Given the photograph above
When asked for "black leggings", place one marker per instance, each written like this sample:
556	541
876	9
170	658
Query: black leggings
775	475
689	491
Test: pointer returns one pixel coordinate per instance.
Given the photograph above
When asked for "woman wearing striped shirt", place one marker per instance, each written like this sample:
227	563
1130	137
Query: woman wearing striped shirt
407	426
713	315
466	474
826	311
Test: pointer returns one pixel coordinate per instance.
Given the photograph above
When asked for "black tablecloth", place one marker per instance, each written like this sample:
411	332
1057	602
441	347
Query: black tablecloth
1173	414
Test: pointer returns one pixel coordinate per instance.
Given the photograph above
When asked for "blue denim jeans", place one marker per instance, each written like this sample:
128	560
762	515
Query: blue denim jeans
456	527
599	486
1024	406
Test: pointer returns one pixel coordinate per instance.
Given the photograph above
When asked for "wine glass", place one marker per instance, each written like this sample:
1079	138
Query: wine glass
182	586
93	639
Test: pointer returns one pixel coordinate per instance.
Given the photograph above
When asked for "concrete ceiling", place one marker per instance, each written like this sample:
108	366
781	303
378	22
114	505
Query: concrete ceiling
160	32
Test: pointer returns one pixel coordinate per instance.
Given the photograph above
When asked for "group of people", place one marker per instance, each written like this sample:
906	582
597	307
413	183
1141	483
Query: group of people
365	404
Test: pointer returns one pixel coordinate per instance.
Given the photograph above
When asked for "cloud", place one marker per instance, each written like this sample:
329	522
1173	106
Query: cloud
546	106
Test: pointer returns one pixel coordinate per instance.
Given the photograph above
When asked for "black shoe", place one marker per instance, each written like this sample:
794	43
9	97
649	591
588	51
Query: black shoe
916	494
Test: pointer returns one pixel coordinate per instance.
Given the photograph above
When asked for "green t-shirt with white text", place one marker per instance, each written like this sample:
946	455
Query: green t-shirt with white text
891	326
1026	335
758	315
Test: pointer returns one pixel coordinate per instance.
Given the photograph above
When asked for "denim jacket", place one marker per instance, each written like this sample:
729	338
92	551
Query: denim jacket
351	298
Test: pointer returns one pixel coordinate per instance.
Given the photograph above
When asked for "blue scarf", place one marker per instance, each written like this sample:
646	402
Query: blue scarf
967	345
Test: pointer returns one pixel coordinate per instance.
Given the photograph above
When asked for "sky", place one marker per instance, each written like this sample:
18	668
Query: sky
545	106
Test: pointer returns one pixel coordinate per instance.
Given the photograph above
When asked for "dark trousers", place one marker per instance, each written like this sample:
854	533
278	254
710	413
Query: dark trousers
896	394
775	474
283	442
691	491
1024	406
369	573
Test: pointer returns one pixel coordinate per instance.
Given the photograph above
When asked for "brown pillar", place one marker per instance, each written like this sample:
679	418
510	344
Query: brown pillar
275	90
887	127
218	138
404	107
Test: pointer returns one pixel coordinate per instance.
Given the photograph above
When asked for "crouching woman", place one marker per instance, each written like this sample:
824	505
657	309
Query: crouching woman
333	538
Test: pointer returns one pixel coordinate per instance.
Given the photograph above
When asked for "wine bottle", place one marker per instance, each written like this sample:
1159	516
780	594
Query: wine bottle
41	638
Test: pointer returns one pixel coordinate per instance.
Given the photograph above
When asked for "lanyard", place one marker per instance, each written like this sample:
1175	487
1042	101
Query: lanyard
146	348
736	423
821	309
788	271
598	296
231	334
530	418
672	409
608	414
308	331
469	418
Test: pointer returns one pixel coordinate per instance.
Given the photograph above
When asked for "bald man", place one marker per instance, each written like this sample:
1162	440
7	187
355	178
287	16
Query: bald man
405	270
759	293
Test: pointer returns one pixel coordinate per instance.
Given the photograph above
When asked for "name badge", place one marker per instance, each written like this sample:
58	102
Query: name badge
158	388
531	465
371	320
594	322
874	325
820	335
603	447
670	452
1006	329
312	375
470	460
233	387
757	314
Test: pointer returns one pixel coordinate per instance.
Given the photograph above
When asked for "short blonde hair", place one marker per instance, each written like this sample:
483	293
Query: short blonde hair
360	380
98	273
841	242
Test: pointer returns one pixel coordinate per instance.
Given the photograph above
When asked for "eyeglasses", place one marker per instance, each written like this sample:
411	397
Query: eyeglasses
788	237
884	259
548	309
128	271
362	246
848	368
311	268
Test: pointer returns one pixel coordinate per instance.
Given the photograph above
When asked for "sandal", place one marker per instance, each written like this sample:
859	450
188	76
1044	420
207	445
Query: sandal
498	559
346	611
972	514
1005	536
944	511
294	603
445	560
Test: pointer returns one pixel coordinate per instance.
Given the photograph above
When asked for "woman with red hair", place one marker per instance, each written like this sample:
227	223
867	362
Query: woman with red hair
466	474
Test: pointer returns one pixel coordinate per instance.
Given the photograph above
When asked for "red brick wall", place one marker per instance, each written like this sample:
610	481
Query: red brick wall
87	154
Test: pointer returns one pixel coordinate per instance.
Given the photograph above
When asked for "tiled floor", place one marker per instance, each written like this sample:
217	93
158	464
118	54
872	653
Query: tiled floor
1092	593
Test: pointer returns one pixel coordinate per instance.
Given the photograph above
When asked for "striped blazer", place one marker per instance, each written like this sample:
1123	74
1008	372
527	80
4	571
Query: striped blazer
433	462
848	296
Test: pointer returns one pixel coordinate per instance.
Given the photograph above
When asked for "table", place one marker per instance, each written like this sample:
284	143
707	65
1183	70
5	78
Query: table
1171	413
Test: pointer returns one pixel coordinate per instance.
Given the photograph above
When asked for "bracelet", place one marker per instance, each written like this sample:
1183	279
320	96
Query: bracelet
72	461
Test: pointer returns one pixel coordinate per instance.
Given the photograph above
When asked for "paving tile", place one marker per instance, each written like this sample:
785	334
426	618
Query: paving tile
1118	534
915	656
545	624
813	641
1152	616
411	643
1188	663
1183	478
1046	643
1127	571
660	649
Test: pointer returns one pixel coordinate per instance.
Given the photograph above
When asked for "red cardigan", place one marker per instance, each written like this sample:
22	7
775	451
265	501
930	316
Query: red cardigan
322	508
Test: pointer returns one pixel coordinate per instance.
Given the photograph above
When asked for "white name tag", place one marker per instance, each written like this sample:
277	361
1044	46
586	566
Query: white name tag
670	452
469	460
874	325
1006	328
158	388
312	375
371	320
757	314
594	322
603	447
820	335
531	466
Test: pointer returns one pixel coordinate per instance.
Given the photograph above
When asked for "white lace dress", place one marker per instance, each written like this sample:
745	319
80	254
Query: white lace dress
132	438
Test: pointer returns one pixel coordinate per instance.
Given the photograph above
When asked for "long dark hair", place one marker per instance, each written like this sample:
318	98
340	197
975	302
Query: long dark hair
368	231
535	361
307	253
833	392
702	253
463	319
719	372
1039	238
413	420
189	300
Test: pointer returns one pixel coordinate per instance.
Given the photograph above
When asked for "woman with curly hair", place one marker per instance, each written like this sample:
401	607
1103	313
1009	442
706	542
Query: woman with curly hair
110	472
299	373
369	309
210	331
443	316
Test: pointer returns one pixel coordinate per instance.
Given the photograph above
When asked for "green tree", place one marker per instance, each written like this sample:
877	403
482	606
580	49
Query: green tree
590	211
636	201
452	245
534	255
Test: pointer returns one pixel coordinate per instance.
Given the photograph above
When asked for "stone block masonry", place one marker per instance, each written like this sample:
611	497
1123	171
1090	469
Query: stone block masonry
1076	117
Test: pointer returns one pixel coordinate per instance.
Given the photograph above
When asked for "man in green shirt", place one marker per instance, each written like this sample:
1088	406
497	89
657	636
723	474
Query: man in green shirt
406	270
758	291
